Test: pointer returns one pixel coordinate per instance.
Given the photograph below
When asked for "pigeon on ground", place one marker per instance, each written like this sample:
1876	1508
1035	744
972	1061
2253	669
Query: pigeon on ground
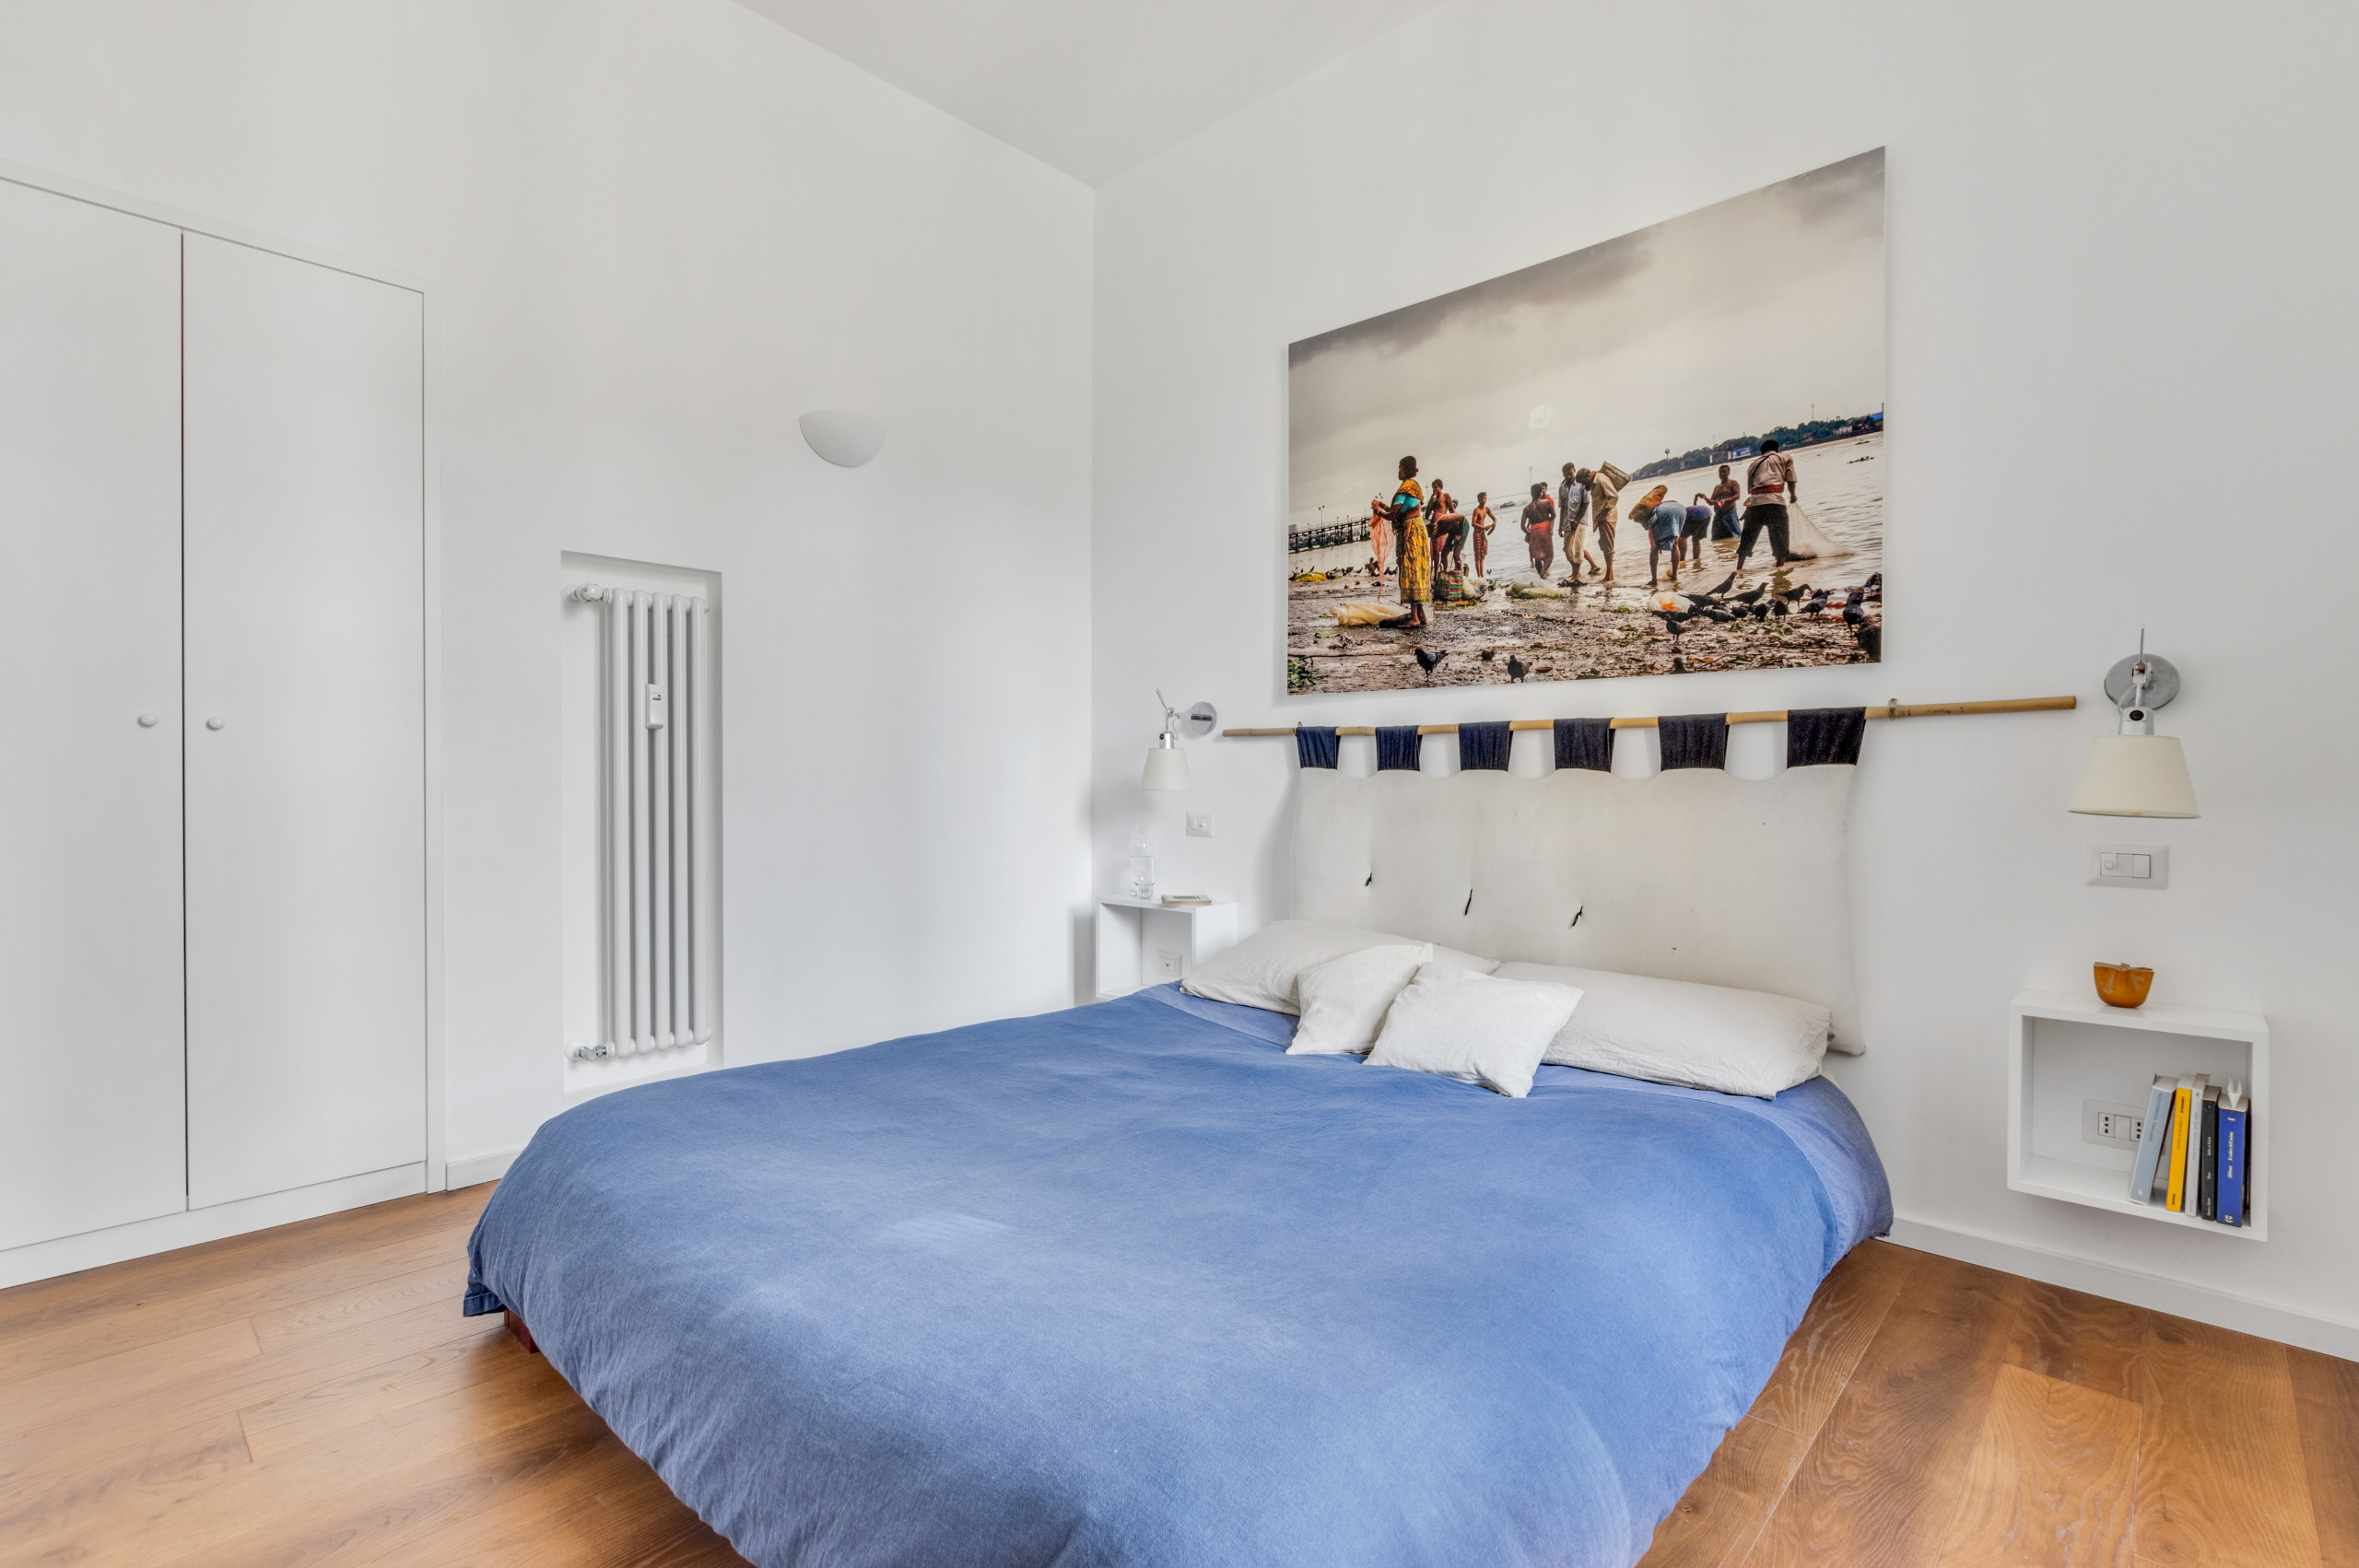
1748	596
1853	616
1777	608
1720	617
1515	668
1792	593
1429	663
1724	587
1870	637
1673	620
1487	655
1678	665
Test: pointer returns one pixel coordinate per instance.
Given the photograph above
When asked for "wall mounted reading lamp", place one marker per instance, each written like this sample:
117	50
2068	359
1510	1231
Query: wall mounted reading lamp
1167	765
2137	772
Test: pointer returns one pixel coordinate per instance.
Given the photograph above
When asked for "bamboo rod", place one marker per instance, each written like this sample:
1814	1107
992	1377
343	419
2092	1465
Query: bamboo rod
1767	716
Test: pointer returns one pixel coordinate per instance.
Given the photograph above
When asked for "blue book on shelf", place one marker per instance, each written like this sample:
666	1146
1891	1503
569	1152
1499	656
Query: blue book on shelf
2153	1139
2236	1123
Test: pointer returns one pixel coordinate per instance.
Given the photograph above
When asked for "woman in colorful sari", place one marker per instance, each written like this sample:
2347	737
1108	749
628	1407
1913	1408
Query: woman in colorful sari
1406	513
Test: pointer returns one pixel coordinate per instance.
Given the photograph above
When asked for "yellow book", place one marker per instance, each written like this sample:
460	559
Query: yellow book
2178	1195
2183	1139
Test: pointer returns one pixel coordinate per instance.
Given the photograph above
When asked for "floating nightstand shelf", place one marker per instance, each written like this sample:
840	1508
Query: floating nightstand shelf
2068	1049
1142	944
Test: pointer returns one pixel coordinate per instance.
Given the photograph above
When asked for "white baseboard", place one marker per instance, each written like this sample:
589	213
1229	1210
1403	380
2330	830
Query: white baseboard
2329	1335
480	1168
69	1255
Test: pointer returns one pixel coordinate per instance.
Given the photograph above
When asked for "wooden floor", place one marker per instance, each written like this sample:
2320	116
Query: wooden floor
309	1396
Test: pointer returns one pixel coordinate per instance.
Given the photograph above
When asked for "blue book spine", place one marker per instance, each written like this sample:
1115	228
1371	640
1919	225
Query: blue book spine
2150	1141
2233	1126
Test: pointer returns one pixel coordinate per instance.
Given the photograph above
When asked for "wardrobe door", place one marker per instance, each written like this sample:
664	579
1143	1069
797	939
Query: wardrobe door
90	1105
306	714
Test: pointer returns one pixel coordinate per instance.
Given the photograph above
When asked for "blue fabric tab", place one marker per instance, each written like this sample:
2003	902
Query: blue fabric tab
1585	743
1693	740
1816	736
1313	746
1484	747
1397	745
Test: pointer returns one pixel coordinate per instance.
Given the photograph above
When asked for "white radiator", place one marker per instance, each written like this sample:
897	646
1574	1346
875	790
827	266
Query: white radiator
661	925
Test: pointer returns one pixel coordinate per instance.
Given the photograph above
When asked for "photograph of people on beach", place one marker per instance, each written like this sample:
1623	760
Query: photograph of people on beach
1661	454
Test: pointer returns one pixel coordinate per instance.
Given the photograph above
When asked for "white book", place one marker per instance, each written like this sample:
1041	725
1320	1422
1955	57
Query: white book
2153	1137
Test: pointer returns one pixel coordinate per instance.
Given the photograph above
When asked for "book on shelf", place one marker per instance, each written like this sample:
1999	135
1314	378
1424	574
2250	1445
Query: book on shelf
2236	1119
1179	899
2182	1099
2208	1156
2153	1137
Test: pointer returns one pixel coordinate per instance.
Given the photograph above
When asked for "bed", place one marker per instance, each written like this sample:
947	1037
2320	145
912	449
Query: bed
1128	1284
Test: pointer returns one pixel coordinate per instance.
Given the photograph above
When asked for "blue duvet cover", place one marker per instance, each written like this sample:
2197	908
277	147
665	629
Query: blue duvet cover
1127	1284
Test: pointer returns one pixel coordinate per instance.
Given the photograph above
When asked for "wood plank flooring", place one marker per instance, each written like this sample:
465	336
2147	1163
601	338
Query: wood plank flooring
307	1395
1928	1412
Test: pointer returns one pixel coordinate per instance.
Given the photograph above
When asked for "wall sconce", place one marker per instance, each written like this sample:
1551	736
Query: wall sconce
2137	772
844	438
1167	765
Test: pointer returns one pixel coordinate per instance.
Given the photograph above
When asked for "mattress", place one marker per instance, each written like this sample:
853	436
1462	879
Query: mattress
1127	1284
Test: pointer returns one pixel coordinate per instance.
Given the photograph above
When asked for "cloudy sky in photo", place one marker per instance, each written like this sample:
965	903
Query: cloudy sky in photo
1728	321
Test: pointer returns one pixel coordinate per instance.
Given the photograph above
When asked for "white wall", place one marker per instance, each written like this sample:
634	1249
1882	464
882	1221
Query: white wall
658	230
2120	396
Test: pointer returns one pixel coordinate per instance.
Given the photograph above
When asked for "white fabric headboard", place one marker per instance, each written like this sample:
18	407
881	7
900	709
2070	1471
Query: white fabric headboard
1689	875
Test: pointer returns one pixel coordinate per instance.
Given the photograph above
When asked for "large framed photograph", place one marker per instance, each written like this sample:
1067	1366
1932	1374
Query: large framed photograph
1660	454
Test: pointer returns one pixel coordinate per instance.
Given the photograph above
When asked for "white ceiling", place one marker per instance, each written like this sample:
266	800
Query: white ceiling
1090	86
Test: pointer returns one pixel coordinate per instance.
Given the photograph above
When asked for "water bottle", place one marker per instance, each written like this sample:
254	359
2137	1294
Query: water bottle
1141	883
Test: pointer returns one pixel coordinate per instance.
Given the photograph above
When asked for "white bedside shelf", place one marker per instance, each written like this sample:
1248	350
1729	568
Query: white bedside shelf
1142	943
2066	1048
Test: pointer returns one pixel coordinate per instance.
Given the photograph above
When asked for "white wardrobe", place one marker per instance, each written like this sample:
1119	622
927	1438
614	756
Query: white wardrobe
212	795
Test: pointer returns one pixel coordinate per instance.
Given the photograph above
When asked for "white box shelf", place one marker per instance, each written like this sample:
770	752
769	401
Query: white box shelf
2067	1047
1142	943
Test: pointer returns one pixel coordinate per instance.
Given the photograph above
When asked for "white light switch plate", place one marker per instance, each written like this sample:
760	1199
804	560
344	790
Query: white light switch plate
1200	825
2130	865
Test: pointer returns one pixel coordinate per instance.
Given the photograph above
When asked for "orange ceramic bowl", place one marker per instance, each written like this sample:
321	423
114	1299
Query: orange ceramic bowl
2119	985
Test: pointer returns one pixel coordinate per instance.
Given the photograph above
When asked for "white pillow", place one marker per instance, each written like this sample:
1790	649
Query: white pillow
1463	1024
1345	999
1262	970
1679	1032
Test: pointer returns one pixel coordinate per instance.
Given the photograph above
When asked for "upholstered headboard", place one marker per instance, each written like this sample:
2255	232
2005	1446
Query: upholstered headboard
1690	875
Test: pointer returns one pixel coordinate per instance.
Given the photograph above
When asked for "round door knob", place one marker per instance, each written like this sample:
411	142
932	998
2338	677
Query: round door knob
147	720
214	723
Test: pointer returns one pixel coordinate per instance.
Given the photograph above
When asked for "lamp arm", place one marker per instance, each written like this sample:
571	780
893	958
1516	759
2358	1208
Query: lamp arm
2137	716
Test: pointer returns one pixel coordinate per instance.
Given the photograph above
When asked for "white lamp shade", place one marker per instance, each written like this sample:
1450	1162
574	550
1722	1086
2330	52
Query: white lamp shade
2135	776
1167	768
844	438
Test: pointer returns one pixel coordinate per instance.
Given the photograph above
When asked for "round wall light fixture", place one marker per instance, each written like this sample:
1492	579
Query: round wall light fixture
843	438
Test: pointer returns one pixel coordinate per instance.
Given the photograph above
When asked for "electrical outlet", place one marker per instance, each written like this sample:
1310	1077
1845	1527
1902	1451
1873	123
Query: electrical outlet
2122	1126
1200	825
1167	963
